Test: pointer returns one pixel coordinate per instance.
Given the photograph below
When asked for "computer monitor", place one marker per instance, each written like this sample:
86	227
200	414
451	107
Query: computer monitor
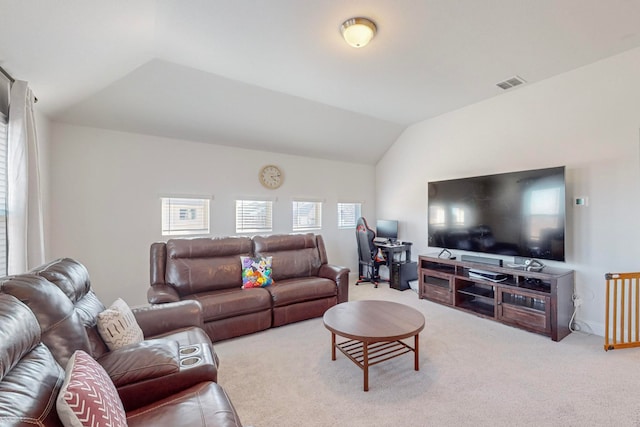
387	229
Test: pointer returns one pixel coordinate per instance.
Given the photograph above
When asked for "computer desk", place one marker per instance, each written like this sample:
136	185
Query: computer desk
390	250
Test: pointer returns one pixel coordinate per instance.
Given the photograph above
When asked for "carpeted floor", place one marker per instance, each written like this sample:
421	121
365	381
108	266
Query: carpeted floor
473	372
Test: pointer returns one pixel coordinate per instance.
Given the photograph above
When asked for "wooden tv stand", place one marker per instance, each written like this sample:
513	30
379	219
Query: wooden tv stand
536	301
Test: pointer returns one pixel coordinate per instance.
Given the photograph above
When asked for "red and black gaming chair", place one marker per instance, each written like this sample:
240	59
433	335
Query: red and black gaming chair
369	264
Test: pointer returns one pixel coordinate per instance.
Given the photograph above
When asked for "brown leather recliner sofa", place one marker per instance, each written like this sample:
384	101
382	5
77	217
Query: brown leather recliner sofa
175	361
31	380
208	270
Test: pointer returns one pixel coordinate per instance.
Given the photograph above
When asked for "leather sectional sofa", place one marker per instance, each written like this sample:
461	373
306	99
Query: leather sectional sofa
208	270
50	314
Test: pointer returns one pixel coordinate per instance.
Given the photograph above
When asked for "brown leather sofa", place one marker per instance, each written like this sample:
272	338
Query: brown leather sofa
31	379
208	270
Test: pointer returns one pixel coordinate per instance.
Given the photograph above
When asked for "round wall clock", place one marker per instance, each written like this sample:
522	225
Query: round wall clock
271	177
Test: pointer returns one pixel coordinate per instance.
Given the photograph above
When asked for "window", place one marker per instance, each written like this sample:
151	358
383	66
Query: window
307	215
185	216
187	213
348	214
254	216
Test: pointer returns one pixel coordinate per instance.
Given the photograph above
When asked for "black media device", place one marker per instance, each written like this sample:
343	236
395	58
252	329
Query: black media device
519	214
401	274
387	229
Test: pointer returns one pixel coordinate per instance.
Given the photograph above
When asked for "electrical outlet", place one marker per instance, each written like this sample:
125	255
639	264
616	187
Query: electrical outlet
577	301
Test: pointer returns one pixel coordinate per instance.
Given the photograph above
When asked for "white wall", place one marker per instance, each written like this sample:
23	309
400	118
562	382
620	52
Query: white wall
106	187
587	119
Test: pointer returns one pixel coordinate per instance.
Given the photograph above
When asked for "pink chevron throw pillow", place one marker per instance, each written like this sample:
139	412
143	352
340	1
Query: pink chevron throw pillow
88	396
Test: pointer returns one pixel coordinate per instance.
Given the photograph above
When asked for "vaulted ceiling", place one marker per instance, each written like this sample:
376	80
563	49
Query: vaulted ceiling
276	75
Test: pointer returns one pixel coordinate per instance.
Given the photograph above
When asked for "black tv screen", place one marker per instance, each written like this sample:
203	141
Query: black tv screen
514	214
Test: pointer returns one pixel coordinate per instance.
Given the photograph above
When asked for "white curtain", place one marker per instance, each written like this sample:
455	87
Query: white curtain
25	234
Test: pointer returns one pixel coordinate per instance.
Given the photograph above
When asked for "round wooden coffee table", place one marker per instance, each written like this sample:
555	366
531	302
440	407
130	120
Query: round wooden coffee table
373	330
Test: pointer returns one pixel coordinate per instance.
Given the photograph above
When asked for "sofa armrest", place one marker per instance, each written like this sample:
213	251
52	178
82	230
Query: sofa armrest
340	275
159	294
157	319
153	370
142	361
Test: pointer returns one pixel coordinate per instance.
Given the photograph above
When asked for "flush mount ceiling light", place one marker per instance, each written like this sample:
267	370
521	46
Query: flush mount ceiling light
358	32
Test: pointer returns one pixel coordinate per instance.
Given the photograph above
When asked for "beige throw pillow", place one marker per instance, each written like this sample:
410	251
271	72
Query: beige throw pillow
118	327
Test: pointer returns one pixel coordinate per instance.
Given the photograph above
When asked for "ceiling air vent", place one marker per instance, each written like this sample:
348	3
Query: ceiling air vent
511	82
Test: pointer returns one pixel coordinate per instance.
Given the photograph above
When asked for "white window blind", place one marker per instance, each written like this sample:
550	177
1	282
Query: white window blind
185	216
307	215
254	216
348	214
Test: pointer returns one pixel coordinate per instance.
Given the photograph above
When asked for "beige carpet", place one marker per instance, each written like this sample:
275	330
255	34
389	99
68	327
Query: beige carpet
473	372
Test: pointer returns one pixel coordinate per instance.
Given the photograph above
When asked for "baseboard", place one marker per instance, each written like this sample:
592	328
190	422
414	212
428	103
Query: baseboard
588	327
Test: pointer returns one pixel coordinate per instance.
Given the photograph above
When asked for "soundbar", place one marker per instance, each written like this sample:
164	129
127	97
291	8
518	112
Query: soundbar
481	260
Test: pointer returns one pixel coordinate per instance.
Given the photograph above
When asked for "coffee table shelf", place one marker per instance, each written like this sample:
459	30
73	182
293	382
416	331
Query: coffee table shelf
378	352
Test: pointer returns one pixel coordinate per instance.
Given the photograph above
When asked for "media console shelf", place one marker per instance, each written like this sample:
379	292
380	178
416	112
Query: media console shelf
535	301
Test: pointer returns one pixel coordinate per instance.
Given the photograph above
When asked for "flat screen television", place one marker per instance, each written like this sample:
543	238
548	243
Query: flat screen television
387	229
515	214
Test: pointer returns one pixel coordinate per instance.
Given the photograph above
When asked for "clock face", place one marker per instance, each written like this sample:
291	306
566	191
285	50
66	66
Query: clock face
271	176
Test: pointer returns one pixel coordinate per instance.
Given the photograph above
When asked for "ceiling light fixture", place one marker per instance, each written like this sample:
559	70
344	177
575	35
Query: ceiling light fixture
358	32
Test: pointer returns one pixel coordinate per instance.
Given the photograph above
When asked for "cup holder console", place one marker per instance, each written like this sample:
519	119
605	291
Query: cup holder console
190	361
191	350
190	356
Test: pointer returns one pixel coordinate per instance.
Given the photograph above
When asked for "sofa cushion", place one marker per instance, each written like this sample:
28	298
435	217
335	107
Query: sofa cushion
143	361
256	272
294	255
28	391
236	302
67	274
293	291
88	397
72	280
118	327
62	328
204	264
19	332
29	376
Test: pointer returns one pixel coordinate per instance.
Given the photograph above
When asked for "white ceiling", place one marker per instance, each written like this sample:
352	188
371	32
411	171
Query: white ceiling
276	75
